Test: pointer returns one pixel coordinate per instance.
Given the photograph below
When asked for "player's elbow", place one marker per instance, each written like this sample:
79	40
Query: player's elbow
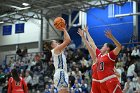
119	46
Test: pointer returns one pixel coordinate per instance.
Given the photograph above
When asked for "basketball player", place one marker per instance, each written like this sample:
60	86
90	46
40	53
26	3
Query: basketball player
109	82
16	84
60	76
95	85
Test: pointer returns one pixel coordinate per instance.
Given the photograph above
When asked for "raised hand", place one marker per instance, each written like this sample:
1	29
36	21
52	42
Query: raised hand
80	32
108	34
85	29
64	28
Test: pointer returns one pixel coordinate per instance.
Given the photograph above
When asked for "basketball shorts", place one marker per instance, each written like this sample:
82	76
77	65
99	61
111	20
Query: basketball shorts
60	79
111	86
95	87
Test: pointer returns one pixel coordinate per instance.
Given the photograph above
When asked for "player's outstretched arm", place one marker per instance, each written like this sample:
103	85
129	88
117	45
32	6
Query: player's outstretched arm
91	41
91	51
116	42
66	41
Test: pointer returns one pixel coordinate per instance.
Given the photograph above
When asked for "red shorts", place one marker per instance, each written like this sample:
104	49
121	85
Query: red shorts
95	87
111	86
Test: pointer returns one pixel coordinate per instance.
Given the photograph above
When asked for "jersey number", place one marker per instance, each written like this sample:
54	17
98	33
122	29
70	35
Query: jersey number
17	83
101	66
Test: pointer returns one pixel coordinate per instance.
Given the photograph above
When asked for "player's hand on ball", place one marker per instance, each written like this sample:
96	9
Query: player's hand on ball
64	29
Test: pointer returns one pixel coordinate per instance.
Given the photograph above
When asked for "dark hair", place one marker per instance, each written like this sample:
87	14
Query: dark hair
47	50
47	45
51	42
15	75
110	46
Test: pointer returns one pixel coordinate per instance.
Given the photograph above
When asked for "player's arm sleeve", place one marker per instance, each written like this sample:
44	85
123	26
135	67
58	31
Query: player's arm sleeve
9	86
25	86
112	56
97	52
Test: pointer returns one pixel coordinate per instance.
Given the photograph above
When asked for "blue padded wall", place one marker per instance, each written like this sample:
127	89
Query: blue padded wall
98	21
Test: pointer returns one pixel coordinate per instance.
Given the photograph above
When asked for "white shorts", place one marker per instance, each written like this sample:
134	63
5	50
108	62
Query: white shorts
60	79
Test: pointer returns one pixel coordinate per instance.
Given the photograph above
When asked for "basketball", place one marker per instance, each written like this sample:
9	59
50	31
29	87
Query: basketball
59	23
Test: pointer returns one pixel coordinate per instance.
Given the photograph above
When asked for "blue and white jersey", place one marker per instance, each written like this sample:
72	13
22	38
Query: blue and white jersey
59	61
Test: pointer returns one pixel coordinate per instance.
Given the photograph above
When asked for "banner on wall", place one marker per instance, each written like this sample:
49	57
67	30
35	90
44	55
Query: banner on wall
7	30
19	28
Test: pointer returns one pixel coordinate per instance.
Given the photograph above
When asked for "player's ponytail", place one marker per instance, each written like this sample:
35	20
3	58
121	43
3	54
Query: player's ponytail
47	51
15	75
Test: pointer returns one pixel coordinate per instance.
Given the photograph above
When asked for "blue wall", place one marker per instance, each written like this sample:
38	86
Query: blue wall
98	22
74	36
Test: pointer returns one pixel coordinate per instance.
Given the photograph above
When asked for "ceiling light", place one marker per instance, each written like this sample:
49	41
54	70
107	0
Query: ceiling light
25	4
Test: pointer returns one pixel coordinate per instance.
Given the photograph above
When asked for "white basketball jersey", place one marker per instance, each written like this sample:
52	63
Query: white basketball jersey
59	61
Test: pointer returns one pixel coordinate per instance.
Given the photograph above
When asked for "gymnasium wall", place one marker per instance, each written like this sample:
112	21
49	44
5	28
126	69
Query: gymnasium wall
29	38
98	21
31	33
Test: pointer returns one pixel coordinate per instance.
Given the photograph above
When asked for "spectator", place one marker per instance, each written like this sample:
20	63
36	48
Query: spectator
83	68
53	89
28	80
132	86
24	52
128	87
119	70
35	81
131	72
137	67
18	52
77	89
84	61
47	89
119	63
71	79
128	51
84	87
128	63
124	58
135	52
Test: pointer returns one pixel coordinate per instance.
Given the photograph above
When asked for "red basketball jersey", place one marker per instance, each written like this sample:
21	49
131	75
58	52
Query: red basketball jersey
94	71
17	87
95	85
106	63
